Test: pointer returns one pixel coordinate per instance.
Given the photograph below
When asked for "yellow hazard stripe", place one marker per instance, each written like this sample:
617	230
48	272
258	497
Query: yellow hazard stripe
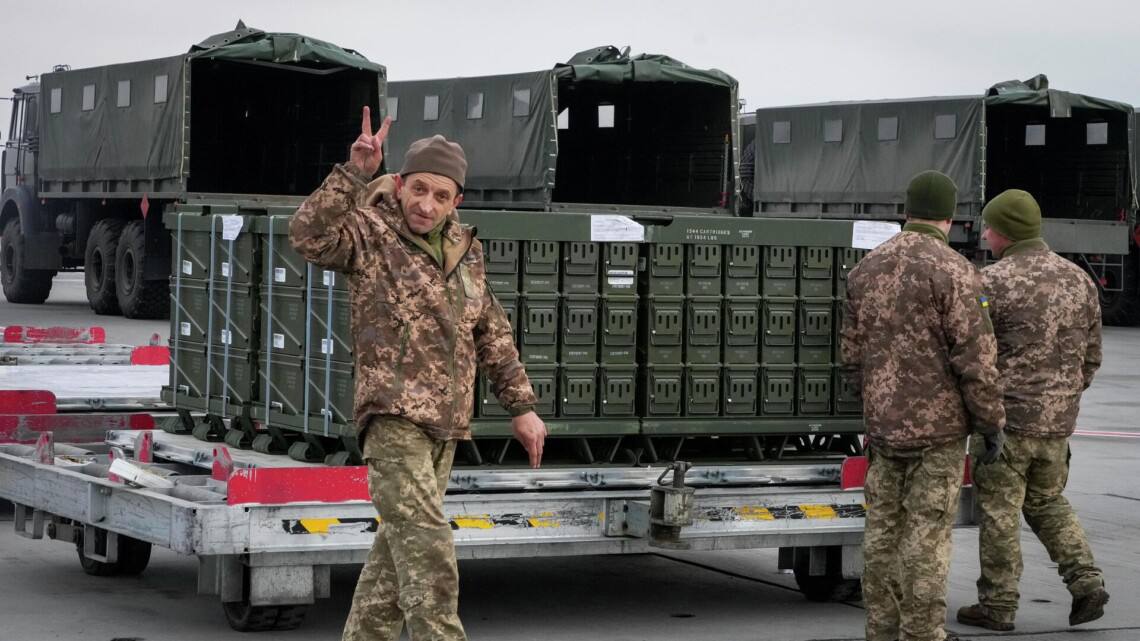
318	526
755	513
819	511
473	522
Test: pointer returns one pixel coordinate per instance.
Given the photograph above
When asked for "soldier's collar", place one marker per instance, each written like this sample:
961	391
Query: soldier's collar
929	230
1025	246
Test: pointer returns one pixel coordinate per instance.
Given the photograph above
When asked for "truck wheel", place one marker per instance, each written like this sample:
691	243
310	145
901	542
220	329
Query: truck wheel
133	556
244	617
830	586
138	298
1122	308
21	285
99	265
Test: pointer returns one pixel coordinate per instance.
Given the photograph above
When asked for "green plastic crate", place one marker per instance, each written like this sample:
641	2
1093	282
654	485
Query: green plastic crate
847	258
501	261
289	382
538	332
816	272
703	274
662	390
814	391
578	391
330	331
665	273
742	330
580	261
579	329
544	382
777	390
778	272
663	323
778	331
742	274
703	330
617	388
815	332
195	316
283	321
203	239
702	390
847	399
619	269
618	336
741	389
540	267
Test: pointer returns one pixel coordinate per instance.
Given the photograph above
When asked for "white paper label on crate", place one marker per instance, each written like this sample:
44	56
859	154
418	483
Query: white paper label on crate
329	278
187	267
620	277
326	346
278	341
869	234
226	337
608	228
279	274
231	227
184	328
225	270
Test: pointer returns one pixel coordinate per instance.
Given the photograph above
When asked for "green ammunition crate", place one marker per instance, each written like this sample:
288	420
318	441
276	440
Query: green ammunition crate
777	390
742	274
538	335
779	272
663	331
703	326
544	382
814	391
579	333
742	330
540	267
847	398
188	371
201	238
325	279
618	336
619	269
235	324
847	259
666	270
330	331
280	264
617	386
283	321
290	382
578	391
838	323
199	372
815	332
741	386
816	272
501	262
662	390
510	305
703	276
702	390
580	268
778	331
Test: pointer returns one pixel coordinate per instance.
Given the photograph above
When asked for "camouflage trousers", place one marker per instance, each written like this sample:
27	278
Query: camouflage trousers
912	501
1028	479
410	575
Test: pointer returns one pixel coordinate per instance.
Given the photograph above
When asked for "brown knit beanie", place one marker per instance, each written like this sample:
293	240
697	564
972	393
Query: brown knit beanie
436	155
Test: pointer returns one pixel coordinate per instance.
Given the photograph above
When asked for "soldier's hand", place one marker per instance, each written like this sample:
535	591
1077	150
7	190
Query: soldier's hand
531	432
368	150
994	444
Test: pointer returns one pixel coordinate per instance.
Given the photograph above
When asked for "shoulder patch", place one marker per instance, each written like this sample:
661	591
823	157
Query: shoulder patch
983	301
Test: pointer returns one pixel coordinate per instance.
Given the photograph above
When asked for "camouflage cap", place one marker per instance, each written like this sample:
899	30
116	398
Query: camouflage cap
931	195
1014	214
436	155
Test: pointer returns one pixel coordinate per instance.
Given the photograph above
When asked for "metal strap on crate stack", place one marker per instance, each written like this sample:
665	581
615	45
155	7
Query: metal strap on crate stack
308	336
210	316
177	305
269	324
228	335
327	346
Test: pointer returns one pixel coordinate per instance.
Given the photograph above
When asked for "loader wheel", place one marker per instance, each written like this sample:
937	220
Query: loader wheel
21	285
244	617
99	266
133	556
830	586
138	298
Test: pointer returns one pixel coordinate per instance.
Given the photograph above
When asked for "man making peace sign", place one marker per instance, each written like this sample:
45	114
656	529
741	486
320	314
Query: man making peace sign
423	318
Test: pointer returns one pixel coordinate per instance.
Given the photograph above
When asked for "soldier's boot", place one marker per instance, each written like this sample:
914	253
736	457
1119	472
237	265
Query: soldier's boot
980	616
1089	607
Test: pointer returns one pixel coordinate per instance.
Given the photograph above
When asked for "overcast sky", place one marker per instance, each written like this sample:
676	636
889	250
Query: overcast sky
781	52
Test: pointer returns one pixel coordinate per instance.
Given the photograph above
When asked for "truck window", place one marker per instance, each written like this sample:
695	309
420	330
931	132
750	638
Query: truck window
520	102
14	125
160	83
832	131
475	106
31	117
782	132
605	116
945	126
889	128
123	98
56	100
393	108
1096	133
88	97
431	107
564	118
1034	135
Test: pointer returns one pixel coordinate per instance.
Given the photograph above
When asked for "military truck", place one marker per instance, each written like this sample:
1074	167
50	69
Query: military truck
1076	154
95	156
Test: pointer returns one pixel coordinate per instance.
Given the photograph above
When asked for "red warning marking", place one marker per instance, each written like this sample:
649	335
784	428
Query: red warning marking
27	402
28	334
150	355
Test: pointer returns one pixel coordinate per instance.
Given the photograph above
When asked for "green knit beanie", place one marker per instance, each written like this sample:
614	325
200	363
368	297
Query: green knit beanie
931	195
1014	214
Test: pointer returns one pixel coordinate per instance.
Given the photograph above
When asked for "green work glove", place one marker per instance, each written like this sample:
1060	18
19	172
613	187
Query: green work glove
994	443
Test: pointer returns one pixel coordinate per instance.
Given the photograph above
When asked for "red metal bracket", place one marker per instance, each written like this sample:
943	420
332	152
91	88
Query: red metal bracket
272	485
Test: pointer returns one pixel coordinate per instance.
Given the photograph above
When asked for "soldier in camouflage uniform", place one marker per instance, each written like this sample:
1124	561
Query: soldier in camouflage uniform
1046	316
917	342
423	319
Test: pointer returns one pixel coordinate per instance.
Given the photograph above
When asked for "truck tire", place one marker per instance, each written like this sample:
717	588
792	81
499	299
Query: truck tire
138	298
1122	308
21	285
99	266
133	556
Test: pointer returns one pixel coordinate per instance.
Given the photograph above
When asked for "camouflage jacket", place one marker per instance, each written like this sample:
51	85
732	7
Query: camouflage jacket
419	328
1046	315
917	341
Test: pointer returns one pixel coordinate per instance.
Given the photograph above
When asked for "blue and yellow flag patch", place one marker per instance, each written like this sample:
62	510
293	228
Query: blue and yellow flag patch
983	301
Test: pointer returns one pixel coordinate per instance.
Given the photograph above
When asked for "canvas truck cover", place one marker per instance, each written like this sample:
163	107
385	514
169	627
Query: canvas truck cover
126	122
507	124
862	153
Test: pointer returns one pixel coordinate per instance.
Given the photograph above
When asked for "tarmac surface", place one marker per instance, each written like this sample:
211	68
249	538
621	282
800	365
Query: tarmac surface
715	596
